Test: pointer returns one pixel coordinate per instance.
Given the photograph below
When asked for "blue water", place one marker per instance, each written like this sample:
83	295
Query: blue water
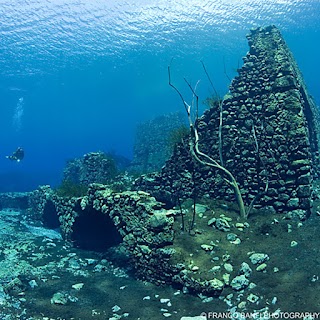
78	76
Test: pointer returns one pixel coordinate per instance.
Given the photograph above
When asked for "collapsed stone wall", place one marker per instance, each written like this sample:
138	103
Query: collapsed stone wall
144	226
93	167
270	136
154	141
145	230
269	139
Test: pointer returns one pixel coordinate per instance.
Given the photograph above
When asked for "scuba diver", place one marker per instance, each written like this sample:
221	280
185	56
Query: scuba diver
18	155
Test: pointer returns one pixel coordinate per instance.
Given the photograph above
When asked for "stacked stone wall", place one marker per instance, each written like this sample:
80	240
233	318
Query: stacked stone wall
154	142
146	228
93	167
269	136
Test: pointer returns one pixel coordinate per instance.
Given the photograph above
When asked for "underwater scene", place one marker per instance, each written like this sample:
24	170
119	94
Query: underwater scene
159	159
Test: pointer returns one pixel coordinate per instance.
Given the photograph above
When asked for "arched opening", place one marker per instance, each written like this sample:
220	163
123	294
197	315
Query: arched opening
94	230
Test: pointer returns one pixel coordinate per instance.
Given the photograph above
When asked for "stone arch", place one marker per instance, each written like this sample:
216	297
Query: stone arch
94	230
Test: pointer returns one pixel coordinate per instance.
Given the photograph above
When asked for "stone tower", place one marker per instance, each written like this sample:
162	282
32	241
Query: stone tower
269	136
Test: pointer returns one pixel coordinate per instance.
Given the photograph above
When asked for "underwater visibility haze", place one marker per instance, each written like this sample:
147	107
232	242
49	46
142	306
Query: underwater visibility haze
79	76
112	207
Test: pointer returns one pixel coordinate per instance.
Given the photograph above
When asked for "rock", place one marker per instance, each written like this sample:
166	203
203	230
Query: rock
300	163
252	298
253	110
212	221
207	247
33	284
239	282
226	278
245	270
252	286
228	267
158	221
240	226
293	203
84	202
91	261
59	298
305	179
201	209
237	241
215	268
258	258
304	191
261	267
298	214
216	284
116	308
164	300
270	210
78	286
284	197
222	224
231	237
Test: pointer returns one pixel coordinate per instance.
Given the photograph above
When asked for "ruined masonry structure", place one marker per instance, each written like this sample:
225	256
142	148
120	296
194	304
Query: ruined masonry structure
269	142
133	220
270	137
94	167
154	142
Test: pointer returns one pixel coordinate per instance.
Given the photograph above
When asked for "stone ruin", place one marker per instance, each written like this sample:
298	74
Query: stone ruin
93	167
270	137
154	142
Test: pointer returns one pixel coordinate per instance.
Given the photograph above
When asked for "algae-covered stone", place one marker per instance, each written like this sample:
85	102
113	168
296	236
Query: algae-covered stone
301	162
245	269
84	202
158	221
293	243
228	267
226	278
78	286
258	258
305	179
215	268
59	298
231	237
239	282
145	249
212	221
261	267
297	214
252	298
216	284
207	247
240	226
304	191
200	208
222	224
293	203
